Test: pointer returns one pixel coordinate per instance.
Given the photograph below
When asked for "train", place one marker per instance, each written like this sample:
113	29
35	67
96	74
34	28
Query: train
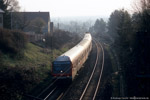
69	63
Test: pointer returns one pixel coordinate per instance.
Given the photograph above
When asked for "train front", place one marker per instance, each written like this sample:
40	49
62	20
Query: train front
62	68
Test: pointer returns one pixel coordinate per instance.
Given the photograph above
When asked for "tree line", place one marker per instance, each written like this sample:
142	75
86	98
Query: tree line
8	6
130	38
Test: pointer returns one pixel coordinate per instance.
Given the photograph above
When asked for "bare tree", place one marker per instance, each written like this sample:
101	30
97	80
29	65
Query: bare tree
145	4
8	6
19	20
12	5
141	5
37	25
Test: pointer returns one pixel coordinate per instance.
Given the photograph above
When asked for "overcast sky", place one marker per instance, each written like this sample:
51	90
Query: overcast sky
65	8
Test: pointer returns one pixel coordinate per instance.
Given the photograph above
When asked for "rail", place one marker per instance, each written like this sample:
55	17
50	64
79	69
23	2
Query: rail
94	71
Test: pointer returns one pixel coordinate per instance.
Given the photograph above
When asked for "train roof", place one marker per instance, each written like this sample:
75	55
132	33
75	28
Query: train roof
76	50
62	58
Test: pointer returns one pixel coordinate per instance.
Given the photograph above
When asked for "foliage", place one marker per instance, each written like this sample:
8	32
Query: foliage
113	23
12	42
7	6
3	6
131	35
38	25
15	81
61	38
99	31
21	76
19	21
99	27
17	77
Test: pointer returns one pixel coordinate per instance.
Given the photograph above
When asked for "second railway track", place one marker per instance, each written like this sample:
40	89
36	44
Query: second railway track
56	92
79	90
93	83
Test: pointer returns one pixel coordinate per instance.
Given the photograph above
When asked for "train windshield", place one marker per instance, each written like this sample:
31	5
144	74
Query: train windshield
62	67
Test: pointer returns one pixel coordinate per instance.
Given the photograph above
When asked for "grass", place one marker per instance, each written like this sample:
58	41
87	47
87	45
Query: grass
38	56
33	56
27	73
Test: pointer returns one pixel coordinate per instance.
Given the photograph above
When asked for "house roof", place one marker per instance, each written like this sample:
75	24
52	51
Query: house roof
32	15
1	11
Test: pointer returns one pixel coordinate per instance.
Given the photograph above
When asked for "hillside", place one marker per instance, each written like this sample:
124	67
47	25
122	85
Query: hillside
33	56
21	76
24	66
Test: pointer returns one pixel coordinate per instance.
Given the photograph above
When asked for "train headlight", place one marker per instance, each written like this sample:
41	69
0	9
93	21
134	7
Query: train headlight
61	71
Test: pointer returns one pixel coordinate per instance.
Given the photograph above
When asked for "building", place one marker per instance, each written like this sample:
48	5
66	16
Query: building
31	22
1	18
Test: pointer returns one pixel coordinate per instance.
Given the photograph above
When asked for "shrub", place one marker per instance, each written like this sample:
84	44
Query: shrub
61	38
12	42
18	80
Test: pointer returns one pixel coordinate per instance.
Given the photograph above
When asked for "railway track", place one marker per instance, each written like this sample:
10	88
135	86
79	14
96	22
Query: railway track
43	94
58	92
51	92
54	91
85	88
51	86
92	86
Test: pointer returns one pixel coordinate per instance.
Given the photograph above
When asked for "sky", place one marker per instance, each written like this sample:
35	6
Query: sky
66	8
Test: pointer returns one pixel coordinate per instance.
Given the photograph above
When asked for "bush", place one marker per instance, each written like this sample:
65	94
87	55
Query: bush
12	42
17	81
61	38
